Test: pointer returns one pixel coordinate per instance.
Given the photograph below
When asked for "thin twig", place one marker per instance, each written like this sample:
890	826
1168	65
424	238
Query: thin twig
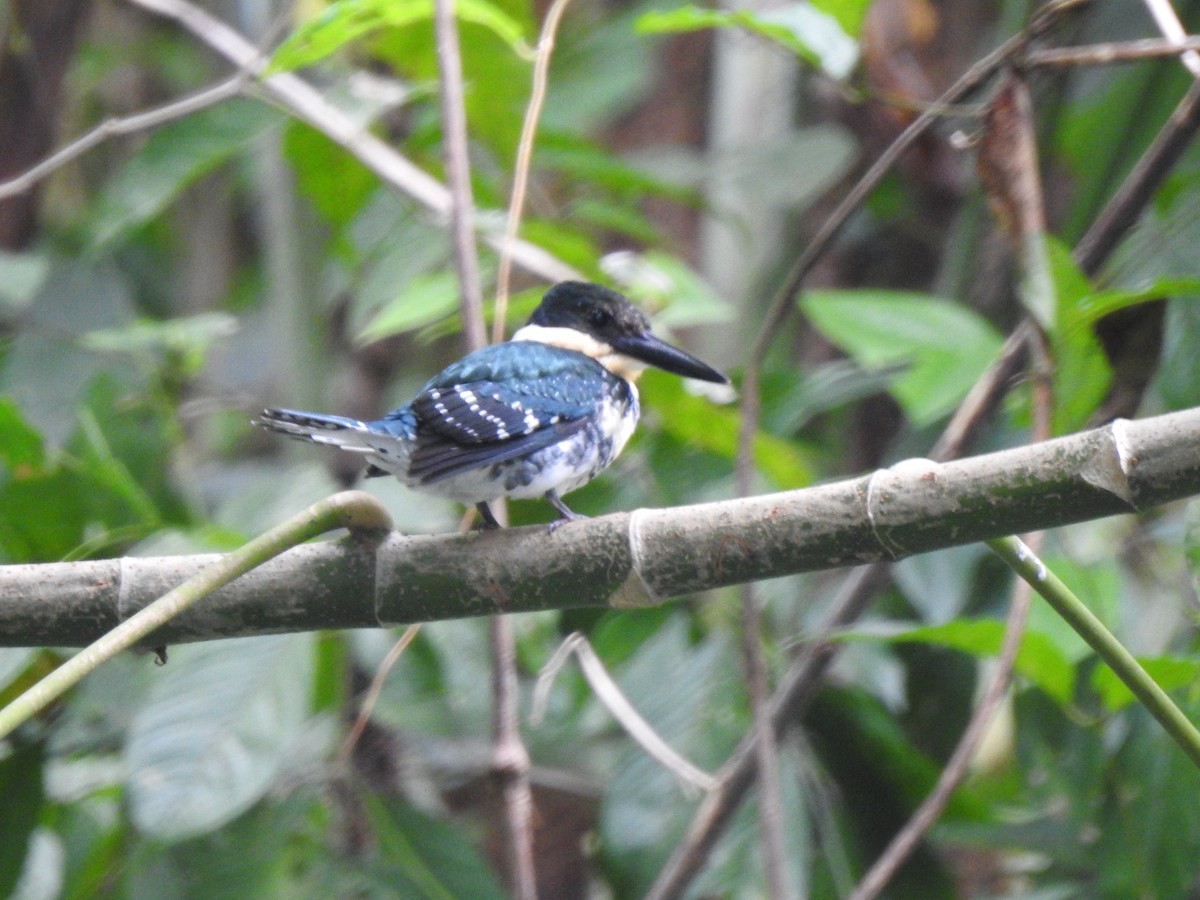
375	689
1085	623
770	791
301	100
455	153
122	125
516	204
510	759
608	692
906	840
1126	205
1110	53
1172	29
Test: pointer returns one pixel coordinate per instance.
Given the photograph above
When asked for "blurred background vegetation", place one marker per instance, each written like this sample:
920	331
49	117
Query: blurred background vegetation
159	289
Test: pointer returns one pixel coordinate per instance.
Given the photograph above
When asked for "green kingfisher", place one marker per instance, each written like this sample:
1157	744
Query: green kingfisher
536	416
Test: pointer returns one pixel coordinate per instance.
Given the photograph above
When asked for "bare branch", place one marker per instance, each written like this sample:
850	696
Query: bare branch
510	758
376	688
608	692
516	204
1110	53
458	171
906	840
122	125
300	99
1168	23
1125	207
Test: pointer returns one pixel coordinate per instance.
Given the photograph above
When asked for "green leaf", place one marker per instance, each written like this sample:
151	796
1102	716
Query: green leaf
687	691
187	339
945	346
812	34
1081	370
213	735
422	857
45	371
586	90
1038	659
1093	306
20	443
21	766
174	157
347	20
701	423
847	13
334	181
1171	673
660	281
424	300
1037	289
586	161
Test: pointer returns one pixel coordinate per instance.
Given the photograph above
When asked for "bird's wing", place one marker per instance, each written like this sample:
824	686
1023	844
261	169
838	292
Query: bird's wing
500	403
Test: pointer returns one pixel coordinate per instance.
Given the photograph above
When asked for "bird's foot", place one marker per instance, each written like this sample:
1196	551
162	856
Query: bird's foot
565	512
489	520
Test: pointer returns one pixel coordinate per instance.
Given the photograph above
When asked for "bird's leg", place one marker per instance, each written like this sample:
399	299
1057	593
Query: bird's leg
485	513
567	514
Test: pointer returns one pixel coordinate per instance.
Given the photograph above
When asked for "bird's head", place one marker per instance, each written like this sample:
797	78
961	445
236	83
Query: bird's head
603	324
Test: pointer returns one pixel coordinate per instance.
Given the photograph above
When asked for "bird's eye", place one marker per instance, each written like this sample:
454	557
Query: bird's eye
599	317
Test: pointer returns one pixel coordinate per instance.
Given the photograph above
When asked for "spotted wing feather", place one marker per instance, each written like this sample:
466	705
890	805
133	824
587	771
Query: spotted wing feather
501	403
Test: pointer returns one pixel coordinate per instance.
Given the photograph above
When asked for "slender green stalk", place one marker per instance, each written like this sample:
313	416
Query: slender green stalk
1023	561
355	510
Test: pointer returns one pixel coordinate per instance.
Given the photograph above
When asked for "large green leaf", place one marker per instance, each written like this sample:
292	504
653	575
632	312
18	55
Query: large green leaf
944	346
811	33
1038	659
848	13
20	444
691	695
587	91
424	858
334	181
173	158
46	370
424	300
348	20
211	739
1081	370
700	423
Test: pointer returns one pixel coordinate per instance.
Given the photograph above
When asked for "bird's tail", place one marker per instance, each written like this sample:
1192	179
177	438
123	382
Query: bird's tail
312	426
384	442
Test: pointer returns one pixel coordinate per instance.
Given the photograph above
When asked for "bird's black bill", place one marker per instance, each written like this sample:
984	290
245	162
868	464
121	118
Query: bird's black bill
649	349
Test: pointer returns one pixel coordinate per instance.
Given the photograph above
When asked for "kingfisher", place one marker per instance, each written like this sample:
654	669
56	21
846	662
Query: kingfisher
536	416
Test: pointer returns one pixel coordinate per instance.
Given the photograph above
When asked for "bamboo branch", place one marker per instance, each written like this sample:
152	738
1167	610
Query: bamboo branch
356	510
629	559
